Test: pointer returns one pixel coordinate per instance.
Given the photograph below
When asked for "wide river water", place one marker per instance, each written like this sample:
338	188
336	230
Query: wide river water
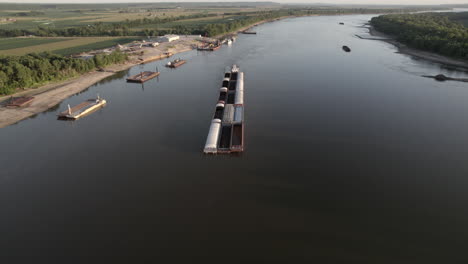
349	158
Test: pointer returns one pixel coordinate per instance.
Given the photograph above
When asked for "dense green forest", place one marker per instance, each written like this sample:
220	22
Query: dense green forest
441	33
35	69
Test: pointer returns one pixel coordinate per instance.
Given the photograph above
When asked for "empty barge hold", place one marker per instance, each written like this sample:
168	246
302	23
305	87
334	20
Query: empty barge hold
82	109
175	63
226	134
143	76
237	143
20	101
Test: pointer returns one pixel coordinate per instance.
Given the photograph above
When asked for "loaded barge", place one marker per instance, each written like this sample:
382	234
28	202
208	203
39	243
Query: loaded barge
209	47
175	63
82	109
226	134
143	76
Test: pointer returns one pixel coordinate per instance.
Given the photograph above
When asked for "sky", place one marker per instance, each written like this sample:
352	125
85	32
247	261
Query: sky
406	2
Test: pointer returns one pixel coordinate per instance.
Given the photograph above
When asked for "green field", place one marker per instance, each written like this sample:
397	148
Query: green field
14	43
96	45
64	46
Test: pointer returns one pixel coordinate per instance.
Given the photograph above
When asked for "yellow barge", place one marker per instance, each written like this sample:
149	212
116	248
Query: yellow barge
82	109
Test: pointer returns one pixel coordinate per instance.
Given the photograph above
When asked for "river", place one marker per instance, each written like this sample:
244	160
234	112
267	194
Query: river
349	158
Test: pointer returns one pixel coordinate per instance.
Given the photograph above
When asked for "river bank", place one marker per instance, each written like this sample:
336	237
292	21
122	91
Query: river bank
50	95
404	49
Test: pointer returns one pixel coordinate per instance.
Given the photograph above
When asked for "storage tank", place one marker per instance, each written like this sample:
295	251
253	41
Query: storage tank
238	113
228	115
240	82
239	99
213	135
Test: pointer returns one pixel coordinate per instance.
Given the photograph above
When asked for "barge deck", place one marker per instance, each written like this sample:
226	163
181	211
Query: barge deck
19	101
82	109
143	76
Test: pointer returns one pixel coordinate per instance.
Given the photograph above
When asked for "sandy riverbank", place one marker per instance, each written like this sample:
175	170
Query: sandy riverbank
404	49
48	96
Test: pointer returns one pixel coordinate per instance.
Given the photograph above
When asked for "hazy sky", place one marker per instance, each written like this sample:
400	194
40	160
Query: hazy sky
407	2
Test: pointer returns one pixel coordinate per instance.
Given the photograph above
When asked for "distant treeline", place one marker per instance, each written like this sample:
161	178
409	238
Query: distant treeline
35	69
149	26
435	32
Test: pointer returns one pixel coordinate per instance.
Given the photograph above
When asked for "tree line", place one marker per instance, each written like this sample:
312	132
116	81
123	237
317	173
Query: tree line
38	68
434	32
150	25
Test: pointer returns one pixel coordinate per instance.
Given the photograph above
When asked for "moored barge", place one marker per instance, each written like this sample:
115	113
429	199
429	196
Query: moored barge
175	63
82	109
209	47
143	76
20	101
226	134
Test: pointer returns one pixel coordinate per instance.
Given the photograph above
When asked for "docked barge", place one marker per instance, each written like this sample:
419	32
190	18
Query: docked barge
143	76
226	133
175	63
209	47
20	101
82	109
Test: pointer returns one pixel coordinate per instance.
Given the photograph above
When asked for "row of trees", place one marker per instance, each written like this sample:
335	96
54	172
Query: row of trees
434	32
35	69
149	25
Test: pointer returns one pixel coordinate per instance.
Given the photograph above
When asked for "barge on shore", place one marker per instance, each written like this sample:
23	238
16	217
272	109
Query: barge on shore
82	109
175	63
143	76
226	133
209	47
19	101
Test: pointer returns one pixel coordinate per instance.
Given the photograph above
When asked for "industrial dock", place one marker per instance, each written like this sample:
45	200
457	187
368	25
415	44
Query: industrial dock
82	109
226	133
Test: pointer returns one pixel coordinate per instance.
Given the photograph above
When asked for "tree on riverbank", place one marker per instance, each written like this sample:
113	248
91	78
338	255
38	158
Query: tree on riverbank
434	32
34	69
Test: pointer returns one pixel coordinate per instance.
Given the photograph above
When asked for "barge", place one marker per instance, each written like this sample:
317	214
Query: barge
175	63
143	76
226	133
19	101
82	109
209	47
249	32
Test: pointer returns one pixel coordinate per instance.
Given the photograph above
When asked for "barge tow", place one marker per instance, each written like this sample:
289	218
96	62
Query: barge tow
226	133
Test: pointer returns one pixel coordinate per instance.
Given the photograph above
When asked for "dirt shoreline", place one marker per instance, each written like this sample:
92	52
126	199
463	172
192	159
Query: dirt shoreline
404	49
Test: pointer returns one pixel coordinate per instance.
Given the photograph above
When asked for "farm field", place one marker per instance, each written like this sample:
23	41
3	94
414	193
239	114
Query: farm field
63	46
16	43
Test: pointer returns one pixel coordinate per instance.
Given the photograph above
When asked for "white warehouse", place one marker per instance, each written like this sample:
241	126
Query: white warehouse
167	38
